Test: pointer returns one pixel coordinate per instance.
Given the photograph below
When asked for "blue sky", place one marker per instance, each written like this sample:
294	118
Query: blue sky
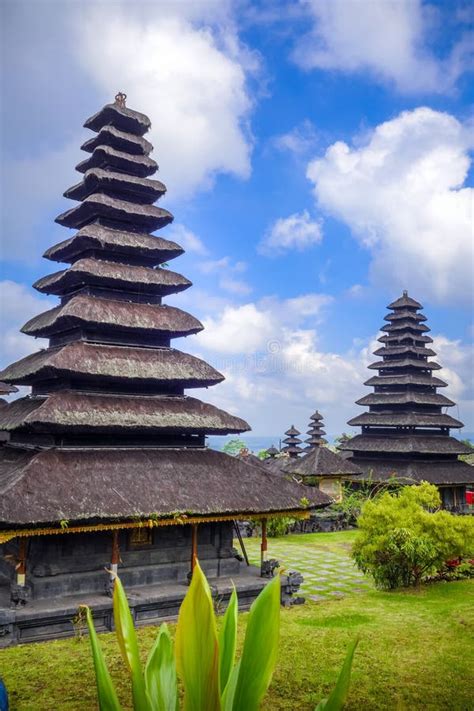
318	161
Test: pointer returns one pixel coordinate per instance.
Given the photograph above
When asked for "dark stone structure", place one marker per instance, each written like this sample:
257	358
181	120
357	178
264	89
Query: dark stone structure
315	432
405	433
104	465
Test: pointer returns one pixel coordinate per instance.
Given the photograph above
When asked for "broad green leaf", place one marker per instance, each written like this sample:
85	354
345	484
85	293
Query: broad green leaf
227	699
260	648
127	639
338	695
197	652
160	673
228	640
108	700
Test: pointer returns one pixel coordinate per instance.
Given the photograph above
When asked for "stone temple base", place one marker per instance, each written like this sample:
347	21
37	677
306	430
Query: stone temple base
54	618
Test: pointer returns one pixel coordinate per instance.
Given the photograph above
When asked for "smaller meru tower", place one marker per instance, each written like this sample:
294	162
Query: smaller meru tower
105	464
406	431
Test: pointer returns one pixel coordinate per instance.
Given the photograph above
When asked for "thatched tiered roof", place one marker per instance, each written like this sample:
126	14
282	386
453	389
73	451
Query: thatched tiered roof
109	378
405	429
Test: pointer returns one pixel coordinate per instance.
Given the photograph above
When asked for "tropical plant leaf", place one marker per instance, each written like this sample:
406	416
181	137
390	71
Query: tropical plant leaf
338	695
227	698
127	639
107	696
260	649
197	652
228	640
160	673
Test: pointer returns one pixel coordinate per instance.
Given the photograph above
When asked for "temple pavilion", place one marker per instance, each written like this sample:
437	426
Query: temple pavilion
406	431
319	466
104	465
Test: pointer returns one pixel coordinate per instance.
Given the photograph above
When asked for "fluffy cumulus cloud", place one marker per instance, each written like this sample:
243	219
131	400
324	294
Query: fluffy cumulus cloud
298	231
401	191
387	38
188	71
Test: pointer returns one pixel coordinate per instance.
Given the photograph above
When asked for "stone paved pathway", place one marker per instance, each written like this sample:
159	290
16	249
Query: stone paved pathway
328	570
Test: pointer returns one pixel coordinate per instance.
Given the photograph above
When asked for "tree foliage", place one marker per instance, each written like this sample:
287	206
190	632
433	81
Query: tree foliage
234	446
404	538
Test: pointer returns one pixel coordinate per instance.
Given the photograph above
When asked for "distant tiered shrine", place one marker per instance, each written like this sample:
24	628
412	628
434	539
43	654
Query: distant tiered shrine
104	465
406	431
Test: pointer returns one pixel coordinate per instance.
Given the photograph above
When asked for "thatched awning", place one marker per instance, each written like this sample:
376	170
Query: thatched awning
138	245
416	444
405	301
405	314
113	315
405	363
132	164
404	348
150	367
76	412
441	473
404	419
100	485
135	189
100	206
119	117
401	336
98	272
405	397
120	140
407	379
406	324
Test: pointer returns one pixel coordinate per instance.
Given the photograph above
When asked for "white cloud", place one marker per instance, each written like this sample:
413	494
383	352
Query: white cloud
190	77
186	239
386	38
226	270
17	305
296	232
401	193
299	140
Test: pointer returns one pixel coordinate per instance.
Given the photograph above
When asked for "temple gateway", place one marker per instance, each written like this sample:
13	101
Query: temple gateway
104	466
406	432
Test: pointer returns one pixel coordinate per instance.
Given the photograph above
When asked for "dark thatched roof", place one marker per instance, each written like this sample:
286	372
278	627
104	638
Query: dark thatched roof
404	419
97	272
139	165
404	314
72	411
135	189
321	462
405	443
407	396
100	206
407	379
405	301
148	366
402	336
404	363
404	348
123	315
153	250
120	140
119	117
405	324
78	485
7	389
447	473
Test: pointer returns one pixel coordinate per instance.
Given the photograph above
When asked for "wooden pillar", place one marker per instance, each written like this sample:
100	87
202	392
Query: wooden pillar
194	545
115	559
264	543
21	565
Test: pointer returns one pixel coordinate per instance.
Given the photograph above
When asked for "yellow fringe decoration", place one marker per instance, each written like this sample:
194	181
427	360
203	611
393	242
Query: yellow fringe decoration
150	522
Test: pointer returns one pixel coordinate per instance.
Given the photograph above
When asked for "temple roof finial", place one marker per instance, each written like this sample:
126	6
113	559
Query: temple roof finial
120	99
405	292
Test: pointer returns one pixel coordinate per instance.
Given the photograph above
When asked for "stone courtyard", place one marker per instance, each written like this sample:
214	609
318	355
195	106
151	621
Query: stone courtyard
322	558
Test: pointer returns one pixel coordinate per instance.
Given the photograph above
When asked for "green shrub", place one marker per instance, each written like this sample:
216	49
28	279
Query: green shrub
203	658
404	538
234	446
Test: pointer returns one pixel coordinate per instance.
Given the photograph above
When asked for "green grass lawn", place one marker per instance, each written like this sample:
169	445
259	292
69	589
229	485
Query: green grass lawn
416	651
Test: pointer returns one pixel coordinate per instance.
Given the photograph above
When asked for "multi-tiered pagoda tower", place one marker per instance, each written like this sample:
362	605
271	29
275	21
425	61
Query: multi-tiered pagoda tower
315	432
406	432
104	464
292	442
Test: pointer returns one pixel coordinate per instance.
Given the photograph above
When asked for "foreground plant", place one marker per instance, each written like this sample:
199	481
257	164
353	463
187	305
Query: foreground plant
203	659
